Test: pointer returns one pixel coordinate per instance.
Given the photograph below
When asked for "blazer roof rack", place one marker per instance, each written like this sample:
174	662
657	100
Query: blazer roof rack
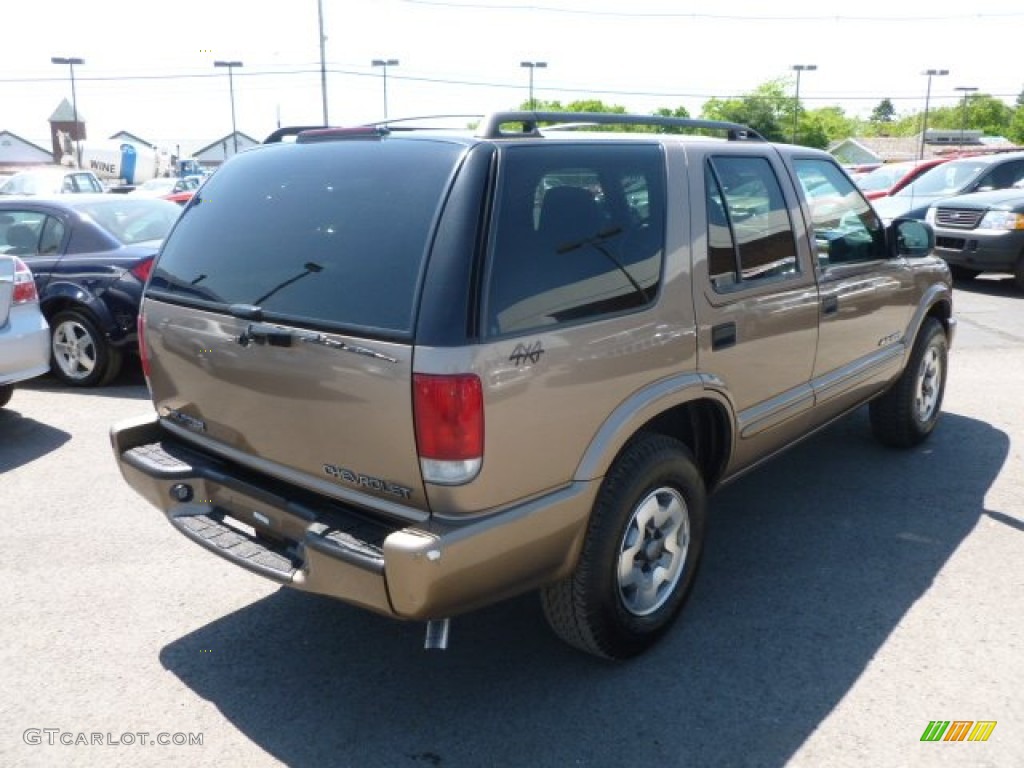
491	125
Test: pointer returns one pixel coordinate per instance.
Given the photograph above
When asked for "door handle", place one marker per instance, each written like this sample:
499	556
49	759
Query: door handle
830	305
723	336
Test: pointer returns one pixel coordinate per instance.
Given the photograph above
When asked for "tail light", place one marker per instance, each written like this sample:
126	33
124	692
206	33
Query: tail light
143	268
449	416
24	286
140	325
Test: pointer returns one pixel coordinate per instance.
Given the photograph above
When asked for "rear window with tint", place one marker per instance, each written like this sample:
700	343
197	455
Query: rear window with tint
579	234
330	234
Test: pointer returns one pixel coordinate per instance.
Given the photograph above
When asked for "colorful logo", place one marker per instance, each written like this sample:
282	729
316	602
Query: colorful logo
958	730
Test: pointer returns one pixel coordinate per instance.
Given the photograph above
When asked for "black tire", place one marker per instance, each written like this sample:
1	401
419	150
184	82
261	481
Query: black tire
963	274
79	355
1018	273
5	394
908	412
610	605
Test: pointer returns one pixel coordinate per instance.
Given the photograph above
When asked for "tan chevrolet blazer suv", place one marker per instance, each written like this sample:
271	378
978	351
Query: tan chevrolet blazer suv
422	369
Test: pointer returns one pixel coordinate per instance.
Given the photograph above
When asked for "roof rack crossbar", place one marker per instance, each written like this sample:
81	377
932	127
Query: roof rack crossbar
491	125
397	120
292	130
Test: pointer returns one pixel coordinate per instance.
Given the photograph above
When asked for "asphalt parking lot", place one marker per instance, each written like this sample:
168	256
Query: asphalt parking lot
850	595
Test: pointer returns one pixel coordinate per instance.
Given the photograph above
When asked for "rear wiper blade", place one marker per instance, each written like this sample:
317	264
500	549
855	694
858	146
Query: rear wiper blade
597	243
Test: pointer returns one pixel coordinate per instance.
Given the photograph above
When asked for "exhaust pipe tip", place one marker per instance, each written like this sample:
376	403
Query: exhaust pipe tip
437	635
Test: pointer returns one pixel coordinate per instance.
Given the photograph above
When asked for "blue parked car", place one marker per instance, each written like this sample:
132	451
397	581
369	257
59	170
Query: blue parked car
90	255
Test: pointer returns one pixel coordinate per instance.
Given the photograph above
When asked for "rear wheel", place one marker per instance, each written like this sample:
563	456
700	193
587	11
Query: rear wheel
908	412
640	554
5	394
80	355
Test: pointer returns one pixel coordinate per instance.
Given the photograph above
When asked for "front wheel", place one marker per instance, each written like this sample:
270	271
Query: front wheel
907	413
80	356
1018	273
5	394
640	554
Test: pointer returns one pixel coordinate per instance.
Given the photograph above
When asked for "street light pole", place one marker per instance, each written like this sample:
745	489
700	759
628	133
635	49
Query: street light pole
384	64
231	87
71	61
967	89
927	96
798	68
532	65
323	60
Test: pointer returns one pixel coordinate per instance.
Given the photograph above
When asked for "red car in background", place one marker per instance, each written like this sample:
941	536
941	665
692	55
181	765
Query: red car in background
892	177
178	191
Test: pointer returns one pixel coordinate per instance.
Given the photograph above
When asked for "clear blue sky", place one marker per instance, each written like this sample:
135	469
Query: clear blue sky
149	66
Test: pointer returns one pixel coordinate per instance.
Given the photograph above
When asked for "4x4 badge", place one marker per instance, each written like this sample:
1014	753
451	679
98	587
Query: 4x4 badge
524	354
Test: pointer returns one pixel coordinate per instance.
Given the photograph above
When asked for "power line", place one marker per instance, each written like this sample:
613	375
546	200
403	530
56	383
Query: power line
413	78
708	16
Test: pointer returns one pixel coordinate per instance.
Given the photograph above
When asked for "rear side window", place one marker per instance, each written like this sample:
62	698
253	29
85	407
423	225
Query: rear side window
19	232
53	235
579	234
750	235
331	234
132	220
1003	175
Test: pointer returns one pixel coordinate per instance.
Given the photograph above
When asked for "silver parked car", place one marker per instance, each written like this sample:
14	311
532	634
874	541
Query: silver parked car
24	334
52	181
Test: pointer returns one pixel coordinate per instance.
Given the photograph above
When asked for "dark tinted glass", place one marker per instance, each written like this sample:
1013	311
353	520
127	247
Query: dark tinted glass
331	234
580	233
759	243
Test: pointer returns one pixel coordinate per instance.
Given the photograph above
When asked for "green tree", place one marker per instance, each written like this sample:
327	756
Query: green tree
986	113
1015	131
767	109
682	112
885	112
813	133
586	105
827	125
989	114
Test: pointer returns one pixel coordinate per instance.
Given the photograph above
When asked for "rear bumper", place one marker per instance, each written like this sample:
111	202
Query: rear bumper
309	542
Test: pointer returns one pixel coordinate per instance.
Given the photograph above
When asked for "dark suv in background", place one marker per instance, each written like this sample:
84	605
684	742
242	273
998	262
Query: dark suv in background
983	232
424	370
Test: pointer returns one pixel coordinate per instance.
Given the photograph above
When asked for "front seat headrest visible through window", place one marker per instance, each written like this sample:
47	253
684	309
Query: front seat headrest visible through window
22	240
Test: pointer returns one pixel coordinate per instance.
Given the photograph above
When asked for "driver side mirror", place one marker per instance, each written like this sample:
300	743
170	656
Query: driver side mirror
911	237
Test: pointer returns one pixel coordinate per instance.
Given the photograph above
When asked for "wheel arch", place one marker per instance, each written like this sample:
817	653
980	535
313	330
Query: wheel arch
71	297
936	303
682	408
